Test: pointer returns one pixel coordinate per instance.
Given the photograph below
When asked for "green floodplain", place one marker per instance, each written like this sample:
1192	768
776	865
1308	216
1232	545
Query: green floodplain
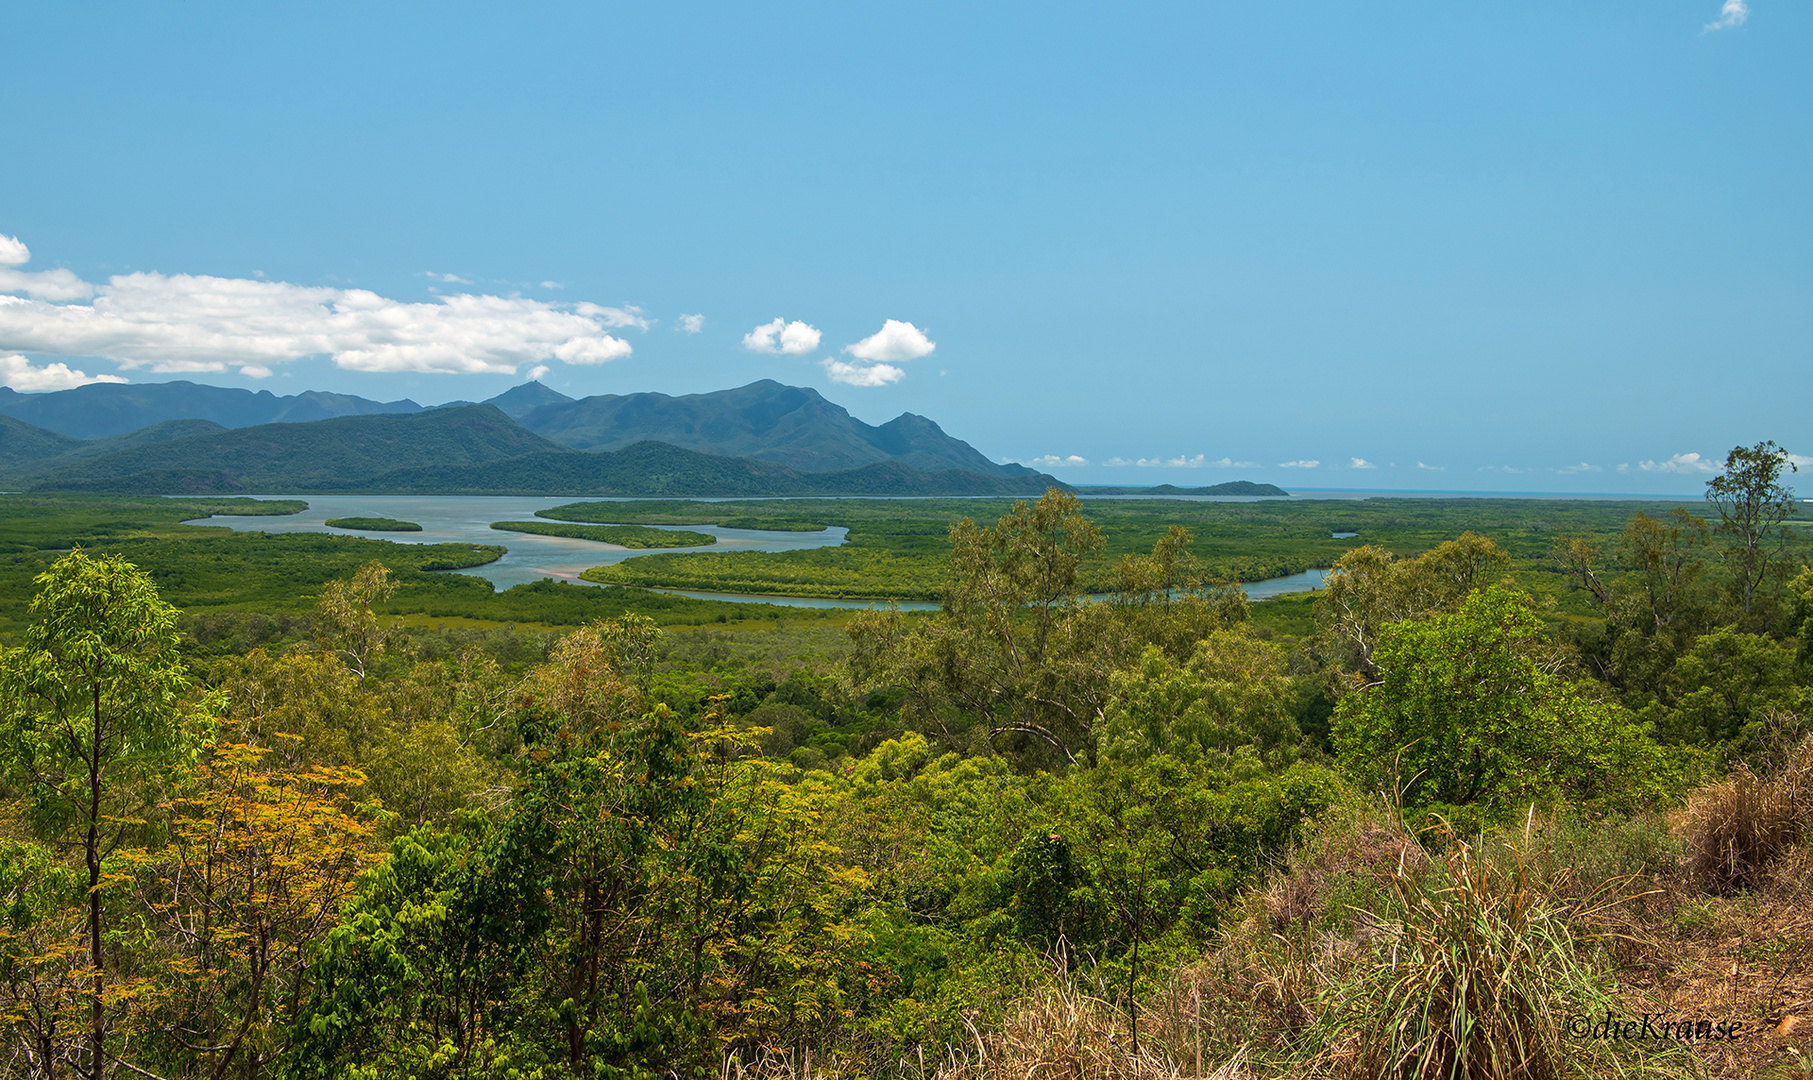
895	550
627	536
1099	816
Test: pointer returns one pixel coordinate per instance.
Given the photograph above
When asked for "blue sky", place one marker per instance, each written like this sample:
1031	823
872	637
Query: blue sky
1461	247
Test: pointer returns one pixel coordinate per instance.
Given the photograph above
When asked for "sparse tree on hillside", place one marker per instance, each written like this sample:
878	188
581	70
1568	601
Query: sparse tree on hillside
1753	503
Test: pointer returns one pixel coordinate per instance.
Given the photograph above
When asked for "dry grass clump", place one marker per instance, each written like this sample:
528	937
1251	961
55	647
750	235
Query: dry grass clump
1735	830
1369	957
1354	851
1060	1032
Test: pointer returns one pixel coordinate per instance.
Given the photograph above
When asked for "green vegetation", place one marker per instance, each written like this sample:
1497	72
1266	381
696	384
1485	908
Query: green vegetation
629	536
1430	822
373	524
896	550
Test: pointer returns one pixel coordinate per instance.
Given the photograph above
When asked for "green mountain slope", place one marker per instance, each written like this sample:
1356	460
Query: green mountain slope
765	420
343	454
661	469
23	446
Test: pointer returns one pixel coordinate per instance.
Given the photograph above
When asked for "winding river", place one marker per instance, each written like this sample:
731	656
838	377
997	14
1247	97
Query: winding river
466	519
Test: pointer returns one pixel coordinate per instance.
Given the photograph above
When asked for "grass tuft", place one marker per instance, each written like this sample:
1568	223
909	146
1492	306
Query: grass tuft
1734	831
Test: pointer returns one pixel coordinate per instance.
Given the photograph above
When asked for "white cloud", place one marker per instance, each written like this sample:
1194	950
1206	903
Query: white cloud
1583	467
690	324
1050	461
193	323
538	372
1681	463
451	279
255	371
1431	468
552	285
1362	463
39	285
613	316
780	336
895	342
1624	468
1499	468
1309	463
1731	13
862	374
1800	462
20	374
1200	461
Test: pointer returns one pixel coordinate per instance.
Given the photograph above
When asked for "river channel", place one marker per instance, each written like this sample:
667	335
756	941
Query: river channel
466	519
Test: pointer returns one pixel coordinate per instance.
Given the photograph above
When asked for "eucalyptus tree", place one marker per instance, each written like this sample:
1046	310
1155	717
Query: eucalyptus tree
1753	505
93	719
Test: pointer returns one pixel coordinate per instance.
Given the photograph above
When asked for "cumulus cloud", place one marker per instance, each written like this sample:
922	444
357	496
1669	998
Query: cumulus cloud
1308	463
451	279
1431	468
1583	467
539	371
255	371
1499	469
1362	463
22	375
1731	13
552	285
895	342
1052	461
197	323
690	324
862	374
780	336
1685	464
41	284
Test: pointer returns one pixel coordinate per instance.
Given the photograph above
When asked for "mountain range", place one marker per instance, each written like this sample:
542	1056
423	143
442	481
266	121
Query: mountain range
98	410
760	439
765	420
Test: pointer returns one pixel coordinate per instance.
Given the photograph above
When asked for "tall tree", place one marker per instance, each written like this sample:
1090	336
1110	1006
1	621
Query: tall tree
1021	648
1753	503
92	717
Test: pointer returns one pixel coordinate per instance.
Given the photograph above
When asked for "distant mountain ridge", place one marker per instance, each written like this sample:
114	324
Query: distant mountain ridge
98	410
760	439
475	449
766	420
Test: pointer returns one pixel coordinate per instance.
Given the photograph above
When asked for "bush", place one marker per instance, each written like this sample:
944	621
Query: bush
1465	720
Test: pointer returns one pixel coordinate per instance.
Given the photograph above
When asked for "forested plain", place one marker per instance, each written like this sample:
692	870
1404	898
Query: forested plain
301	805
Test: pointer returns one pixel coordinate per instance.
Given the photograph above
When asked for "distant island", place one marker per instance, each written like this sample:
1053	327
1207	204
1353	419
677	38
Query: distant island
372	524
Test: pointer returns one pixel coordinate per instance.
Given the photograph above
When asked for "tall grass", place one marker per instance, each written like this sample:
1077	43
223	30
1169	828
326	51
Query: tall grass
1734	831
